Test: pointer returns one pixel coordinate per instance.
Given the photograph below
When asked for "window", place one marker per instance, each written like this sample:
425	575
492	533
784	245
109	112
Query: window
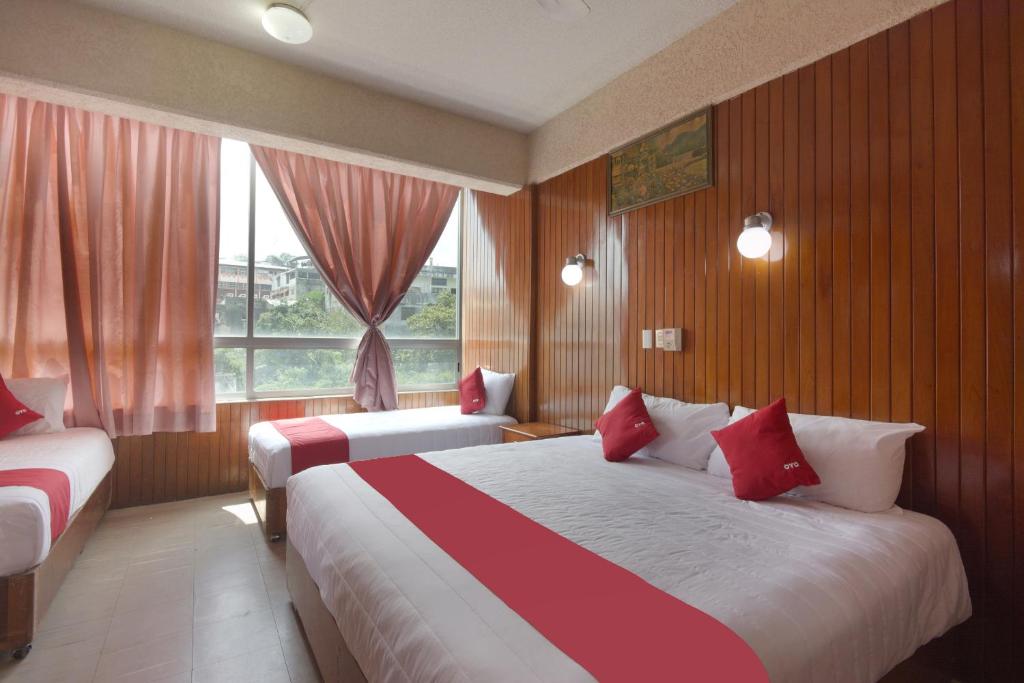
280	332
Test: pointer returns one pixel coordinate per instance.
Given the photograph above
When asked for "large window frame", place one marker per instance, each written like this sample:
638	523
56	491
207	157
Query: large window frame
251	343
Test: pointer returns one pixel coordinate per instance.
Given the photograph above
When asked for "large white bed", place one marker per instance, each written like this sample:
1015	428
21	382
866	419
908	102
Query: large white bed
84	455
819	592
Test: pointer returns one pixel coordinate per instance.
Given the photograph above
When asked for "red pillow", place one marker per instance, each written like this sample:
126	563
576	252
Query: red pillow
13	413
763	454
626	428
472	396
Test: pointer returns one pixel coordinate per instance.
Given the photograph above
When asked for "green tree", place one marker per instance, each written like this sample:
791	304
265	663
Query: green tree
308	317
435	320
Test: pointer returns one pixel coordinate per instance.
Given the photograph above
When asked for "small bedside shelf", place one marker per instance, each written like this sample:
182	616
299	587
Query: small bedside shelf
533	431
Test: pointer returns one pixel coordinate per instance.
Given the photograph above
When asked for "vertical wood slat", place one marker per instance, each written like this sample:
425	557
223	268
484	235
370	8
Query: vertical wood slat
894	289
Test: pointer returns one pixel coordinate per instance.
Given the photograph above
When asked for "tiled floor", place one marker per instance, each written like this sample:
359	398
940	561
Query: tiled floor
185	591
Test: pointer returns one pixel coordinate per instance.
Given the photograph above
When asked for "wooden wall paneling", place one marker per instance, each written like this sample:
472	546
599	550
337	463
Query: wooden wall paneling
998	381
895	172
1016	27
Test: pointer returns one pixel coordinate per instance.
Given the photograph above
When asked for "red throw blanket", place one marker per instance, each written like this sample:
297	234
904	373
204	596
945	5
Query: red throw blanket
609	620
54	484
313	442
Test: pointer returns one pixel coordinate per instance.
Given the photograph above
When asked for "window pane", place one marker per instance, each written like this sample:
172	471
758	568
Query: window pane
426	366
293	369
430	307
229	370
291	298
233	269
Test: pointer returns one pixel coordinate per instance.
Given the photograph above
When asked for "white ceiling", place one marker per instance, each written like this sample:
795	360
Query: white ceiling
503	61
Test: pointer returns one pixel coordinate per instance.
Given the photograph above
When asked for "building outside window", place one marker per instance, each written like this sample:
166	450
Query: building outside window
292	337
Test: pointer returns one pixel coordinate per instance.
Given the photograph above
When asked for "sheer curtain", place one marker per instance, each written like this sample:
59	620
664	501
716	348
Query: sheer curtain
369	233
108	255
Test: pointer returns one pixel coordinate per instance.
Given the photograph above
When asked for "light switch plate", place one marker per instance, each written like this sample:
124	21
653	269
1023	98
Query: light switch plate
646	339
670	339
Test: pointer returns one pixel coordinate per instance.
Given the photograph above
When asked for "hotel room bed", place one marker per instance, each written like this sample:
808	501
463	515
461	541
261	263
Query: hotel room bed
370	435
819	593
31	568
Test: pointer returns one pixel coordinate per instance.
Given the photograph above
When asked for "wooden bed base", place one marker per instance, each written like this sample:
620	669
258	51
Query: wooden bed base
332	655
24	598
271	505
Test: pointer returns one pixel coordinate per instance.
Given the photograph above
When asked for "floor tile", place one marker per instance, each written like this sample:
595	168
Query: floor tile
265	666
148	661
234	636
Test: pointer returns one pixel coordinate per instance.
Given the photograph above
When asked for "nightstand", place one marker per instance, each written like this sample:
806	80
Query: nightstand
533	431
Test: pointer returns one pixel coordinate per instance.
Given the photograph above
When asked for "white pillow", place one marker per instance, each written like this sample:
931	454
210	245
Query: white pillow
45	395
498	387
684	429
859	462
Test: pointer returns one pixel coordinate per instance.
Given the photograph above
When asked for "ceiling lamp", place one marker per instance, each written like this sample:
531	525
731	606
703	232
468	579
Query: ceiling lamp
287	24
565	10
755	241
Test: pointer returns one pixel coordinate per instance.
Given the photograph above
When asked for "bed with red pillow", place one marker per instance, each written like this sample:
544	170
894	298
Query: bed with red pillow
816	592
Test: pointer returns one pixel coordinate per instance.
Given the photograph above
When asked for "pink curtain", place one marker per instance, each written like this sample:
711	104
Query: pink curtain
369	233
108	259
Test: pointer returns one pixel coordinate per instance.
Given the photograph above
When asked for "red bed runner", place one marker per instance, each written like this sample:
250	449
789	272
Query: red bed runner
609	620
313	442
53	483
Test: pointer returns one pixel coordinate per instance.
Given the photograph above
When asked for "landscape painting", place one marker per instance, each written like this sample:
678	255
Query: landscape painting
672	161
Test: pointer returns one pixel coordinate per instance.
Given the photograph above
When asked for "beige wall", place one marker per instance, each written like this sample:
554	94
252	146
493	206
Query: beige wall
77	55
748	44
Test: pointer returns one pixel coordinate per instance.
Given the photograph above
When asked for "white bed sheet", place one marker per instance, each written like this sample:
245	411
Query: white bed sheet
84	454
820	593
372	435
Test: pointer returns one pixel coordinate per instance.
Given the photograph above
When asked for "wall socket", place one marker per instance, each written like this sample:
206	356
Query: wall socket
669	339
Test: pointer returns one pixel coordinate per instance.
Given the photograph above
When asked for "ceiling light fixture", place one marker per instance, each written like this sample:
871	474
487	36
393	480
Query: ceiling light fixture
287	24
565	10
755	241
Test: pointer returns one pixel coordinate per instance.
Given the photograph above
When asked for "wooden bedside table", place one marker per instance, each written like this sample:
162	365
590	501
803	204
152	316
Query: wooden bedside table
533	431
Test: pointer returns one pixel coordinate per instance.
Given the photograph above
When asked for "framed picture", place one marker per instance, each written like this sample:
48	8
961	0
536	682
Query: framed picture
669	162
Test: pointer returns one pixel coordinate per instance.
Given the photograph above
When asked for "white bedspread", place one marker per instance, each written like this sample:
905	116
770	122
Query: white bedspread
372	435
85	455
820	593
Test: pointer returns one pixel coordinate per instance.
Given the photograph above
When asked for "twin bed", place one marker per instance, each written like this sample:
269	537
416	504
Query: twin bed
818	592
32	564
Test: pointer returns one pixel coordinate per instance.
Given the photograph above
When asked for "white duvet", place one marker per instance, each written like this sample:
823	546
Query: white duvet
372	435
820	593
85	455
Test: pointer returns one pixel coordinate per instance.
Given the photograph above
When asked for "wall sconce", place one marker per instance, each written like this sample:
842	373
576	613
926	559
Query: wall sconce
572	271
755	241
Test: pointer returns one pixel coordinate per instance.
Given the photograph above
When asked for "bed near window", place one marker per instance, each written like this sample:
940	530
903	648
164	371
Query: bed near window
35	555
819	593
369	435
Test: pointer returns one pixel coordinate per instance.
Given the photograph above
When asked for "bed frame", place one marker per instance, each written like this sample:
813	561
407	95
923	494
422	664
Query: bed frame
24	598
271	505
337	665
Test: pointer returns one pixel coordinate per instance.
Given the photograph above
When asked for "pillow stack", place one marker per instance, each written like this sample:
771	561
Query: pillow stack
32	405
485	392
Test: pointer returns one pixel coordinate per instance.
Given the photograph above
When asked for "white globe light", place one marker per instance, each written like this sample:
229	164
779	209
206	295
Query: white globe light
572	274
287	24
754	242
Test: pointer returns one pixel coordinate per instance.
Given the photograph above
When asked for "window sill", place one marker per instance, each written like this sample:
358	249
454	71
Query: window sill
313	397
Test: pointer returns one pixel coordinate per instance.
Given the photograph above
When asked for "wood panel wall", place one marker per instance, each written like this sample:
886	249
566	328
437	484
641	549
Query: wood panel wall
165	467
895	289
497	281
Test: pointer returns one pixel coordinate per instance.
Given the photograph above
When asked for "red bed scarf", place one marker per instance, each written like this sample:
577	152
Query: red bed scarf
56	486
313	442
609	620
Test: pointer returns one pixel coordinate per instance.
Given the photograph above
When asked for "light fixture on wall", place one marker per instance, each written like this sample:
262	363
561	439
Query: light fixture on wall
572	271
287	24
755	241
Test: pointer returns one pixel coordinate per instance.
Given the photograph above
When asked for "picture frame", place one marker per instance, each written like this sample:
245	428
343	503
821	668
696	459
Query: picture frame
674	160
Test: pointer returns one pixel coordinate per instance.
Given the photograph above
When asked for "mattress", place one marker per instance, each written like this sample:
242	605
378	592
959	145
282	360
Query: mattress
85	455
820	593
372	435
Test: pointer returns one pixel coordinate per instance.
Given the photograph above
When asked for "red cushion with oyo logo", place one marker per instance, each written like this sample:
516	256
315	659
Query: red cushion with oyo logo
763	454
626	428
472	396
13	413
